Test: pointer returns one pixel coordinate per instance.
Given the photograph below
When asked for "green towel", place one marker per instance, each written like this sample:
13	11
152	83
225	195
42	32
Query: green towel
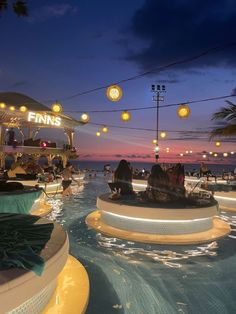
21	240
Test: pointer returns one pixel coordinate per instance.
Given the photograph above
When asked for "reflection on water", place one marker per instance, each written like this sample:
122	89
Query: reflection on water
134	278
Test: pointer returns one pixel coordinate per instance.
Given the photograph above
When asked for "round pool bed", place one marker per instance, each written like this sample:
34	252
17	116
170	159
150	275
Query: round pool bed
174	223
22	291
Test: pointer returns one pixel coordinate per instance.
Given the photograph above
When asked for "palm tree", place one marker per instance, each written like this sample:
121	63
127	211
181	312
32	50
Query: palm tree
226	115
18	7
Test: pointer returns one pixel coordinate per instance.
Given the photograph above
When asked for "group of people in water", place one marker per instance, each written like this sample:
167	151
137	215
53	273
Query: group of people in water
162	185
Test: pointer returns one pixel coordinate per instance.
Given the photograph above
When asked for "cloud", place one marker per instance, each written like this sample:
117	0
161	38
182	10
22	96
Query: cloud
178	29
130	156
52	11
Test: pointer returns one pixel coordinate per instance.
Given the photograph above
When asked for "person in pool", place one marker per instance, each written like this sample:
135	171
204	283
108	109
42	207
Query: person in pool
67	179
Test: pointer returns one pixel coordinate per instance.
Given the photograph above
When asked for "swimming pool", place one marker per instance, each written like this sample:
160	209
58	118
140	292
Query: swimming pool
133	278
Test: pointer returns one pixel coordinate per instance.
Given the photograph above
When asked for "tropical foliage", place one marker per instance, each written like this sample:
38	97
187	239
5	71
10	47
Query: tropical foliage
18	7
226	115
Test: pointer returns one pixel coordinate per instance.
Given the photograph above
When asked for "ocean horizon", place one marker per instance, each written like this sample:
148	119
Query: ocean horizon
99	165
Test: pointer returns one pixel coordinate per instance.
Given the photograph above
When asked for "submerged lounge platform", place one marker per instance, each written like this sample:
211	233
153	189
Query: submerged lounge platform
155	223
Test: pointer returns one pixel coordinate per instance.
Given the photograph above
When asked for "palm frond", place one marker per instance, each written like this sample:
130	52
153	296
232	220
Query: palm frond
226	113
3	5
20	8
227	131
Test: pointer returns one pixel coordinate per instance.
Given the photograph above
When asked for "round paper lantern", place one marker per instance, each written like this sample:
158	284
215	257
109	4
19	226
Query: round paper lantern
23	109
105	129
163	134
114	93
183	111
2	105
56	107
85	117
125	116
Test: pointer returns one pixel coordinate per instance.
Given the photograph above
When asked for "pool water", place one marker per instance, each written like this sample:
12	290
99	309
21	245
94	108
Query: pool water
133	278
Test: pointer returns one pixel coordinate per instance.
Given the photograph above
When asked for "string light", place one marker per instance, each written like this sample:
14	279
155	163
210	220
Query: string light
183	111
163	134
85	117
154	141
217	143
114	93
105	129
2	105
56	107
98	134
125	116
23	108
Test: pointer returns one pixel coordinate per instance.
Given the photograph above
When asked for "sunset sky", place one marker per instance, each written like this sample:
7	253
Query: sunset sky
67	47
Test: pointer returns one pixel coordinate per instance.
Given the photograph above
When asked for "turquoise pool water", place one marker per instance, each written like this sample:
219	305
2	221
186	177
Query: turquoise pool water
133	278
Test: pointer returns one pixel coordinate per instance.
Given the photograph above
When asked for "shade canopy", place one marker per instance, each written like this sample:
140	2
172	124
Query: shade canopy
41	116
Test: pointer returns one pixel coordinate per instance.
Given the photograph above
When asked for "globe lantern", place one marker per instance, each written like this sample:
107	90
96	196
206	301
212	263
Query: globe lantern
183	111
23	108
125	116
85	117
114	93
105	129
2	105
56	107
163	134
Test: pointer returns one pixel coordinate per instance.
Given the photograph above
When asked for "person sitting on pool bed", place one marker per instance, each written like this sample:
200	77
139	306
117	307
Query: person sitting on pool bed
158	185
67	179
123	178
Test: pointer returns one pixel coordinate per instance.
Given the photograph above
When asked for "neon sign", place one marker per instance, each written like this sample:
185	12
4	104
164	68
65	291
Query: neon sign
43	118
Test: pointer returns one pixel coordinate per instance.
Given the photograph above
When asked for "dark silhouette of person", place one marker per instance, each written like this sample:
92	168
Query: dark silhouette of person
11	136
123	177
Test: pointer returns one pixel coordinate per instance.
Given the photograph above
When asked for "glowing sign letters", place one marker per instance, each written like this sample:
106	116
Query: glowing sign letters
43	118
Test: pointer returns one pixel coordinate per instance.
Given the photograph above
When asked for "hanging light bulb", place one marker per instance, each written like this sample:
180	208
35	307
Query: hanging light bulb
2	105
186	151
163	134
225	154
211	153
98	134
232	153
215	154
217	143
23	108
154	141
190	151
125	116
204	156
12	108
85	117
167	149
183	111
181	154
56	107
105	129
114	93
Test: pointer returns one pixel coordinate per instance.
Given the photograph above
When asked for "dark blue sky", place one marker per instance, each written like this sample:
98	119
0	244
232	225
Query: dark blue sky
66	47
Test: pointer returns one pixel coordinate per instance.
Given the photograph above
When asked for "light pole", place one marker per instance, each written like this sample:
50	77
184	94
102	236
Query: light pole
158	90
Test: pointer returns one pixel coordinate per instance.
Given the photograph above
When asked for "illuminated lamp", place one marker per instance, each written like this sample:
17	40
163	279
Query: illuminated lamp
183	111
2	105
43	145
231	153
211	153
98	134
186	151
167	149
154	141
225	154
163	134
105	129
215	154
56	107
181	154
12	108
190	151
125	116
85	117
114	93
217	143
204	156
23	108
